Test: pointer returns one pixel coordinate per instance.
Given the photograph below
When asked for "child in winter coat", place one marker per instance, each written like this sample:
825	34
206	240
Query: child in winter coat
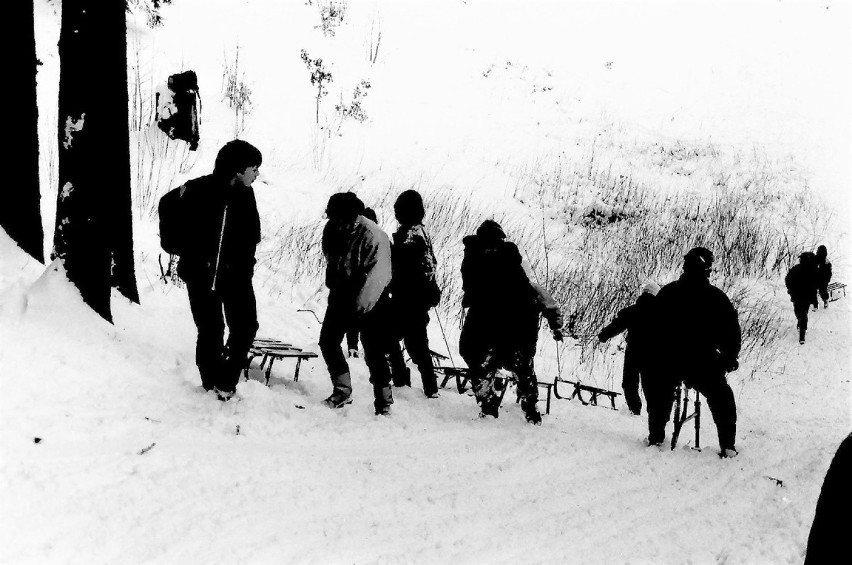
503	313
414	291
220	233
636	320
823	273
357	276
801	282
352	333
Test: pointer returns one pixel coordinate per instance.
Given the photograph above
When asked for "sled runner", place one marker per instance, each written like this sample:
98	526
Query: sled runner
681	415
836	291
580	388
271	349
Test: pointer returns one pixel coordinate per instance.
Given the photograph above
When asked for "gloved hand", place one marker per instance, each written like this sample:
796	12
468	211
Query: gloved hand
601	338
557	334
732	365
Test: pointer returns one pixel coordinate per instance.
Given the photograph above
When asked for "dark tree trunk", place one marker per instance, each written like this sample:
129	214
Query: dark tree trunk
93	235
20	215
115	150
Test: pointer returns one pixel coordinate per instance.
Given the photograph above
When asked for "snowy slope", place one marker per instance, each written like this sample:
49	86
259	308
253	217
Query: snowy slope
137	464
134	463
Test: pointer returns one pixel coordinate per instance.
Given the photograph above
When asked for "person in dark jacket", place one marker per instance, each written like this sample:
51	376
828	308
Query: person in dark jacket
637	321
358	275
217	258
413	276
352	333
828	540
503	313
823	273
801	282
698	341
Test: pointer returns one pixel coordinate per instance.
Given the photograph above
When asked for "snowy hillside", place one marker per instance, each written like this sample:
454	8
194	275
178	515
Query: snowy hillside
110	451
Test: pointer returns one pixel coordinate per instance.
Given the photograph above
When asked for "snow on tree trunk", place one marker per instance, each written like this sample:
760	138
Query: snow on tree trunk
93	236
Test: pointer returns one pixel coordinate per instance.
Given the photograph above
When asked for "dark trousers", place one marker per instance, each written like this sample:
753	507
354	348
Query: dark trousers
232	303
823	292
634	369
800	309
709	382
517	360
411	325
375	337
352	338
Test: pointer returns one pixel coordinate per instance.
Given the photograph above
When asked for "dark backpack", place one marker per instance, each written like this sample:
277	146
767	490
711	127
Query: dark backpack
179	119
172	221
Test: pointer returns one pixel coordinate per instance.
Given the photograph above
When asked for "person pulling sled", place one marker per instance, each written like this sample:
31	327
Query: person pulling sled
504	309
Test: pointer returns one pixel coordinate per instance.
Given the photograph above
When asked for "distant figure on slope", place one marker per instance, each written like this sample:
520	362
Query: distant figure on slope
352	333
698	341
358	275
828	539
823	273
637	321
217	258
801	282
503	313
414	291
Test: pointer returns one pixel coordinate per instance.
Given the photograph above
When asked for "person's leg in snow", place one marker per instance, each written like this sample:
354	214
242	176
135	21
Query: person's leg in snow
377	339
720	399
521	364
240	309
659	397
630	381
481	376
800	309
206	308
338	318
413	325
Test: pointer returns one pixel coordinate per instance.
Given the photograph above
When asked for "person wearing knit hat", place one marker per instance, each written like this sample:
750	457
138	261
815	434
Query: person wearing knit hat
636	320
697	341
414	291
504	311
358	276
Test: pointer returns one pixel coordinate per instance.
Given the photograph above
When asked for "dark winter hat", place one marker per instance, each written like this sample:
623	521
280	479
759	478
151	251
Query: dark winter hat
370	214
491	231
822	253
344	207
235	157
698	259
807	258
408	208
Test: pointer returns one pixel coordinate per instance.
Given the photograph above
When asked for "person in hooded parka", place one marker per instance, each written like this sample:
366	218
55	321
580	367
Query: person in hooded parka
358	274
413	291
697	341
801	282
504	309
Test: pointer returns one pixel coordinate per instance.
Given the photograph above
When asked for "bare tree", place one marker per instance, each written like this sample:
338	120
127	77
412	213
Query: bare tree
93	236
20	215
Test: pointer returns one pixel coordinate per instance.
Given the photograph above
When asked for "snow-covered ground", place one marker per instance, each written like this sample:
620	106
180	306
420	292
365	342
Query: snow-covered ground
110	452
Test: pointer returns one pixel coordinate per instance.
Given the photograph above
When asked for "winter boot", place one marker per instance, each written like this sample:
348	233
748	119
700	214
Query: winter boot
490	406
383	399
534	417
801	336
342	393
728	453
